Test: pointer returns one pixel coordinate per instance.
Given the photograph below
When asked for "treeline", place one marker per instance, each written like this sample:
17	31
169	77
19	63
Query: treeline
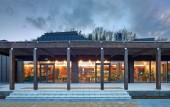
101	34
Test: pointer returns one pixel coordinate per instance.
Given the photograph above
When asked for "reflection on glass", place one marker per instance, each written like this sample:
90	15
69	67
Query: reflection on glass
28	71
168	76
153	71
86	71
163	71
61	71
89	71
117	71
47	73
141	71
106	72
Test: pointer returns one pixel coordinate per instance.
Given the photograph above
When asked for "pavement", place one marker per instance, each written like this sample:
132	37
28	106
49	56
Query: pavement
78	86
153	102
116	103
70	104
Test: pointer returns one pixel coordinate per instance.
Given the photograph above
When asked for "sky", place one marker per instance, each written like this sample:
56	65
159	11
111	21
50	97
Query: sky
28	19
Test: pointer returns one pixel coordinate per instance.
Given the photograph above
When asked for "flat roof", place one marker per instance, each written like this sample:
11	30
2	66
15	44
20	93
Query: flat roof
87	49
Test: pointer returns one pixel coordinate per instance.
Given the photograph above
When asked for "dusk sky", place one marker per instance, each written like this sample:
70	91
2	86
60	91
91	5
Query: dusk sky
27	19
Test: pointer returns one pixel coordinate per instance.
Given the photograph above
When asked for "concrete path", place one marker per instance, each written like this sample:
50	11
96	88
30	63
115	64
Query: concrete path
153	102
77	86
70	104
116	103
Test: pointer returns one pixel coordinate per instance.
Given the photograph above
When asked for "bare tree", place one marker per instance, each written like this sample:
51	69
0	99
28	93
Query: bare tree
90	37
161	39
99	33
124	35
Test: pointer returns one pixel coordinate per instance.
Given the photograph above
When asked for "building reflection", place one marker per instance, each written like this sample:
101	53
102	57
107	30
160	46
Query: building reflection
89	71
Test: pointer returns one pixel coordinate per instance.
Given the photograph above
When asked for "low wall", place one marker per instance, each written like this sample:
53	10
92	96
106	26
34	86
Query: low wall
149	94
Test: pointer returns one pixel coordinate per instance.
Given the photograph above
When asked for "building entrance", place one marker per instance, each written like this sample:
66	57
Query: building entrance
106	72
47	73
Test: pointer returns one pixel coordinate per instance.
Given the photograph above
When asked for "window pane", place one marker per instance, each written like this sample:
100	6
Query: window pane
141	71
164	71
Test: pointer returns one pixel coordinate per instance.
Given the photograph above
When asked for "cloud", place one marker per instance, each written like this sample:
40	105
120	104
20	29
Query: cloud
38	22
149	18
146	18
80	14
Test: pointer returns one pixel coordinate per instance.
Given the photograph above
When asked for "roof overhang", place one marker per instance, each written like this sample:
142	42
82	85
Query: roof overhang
85	48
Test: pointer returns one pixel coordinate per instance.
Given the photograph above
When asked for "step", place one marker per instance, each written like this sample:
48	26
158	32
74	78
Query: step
69	95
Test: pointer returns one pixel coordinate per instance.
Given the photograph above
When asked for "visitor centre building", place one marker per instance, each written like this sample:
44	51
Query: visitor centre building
67	57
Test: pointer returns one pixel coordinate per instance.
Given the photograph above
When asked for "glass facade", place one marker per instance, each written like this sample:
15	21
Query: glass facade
117	71
106	71
86	71
60	71
168	71
141	71
145	71
29	71
48	71
153	71
90	71
164	71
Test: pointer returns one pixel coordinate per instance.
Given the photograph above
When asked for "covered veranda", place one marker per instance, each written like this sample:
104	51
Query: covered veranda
75	50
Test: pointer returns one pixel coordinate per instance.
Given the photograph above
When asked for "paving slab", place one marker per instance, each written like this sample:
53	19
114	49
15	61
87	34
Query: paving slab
69	104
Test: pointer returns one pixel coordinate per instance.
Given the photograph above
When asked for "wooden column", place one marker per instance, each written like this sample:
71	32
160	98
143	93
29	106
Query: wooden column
102	69
158	69
12	69
109	72
95	72
68	68
150	71
54	73
126	69
35	58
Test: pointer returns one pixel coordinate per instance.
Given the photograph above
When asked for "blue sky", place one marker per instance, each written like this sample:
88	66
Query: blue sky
27	19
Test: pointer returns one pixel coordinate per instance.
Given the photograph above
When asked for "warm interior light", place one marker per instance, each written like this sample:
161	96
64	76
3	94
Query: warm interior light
97	61
139	65
80	61
106	61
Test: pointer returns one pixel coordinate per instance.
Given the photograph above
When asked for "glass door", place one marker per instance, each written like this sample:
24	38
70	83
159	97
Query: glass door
47	73
98	72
